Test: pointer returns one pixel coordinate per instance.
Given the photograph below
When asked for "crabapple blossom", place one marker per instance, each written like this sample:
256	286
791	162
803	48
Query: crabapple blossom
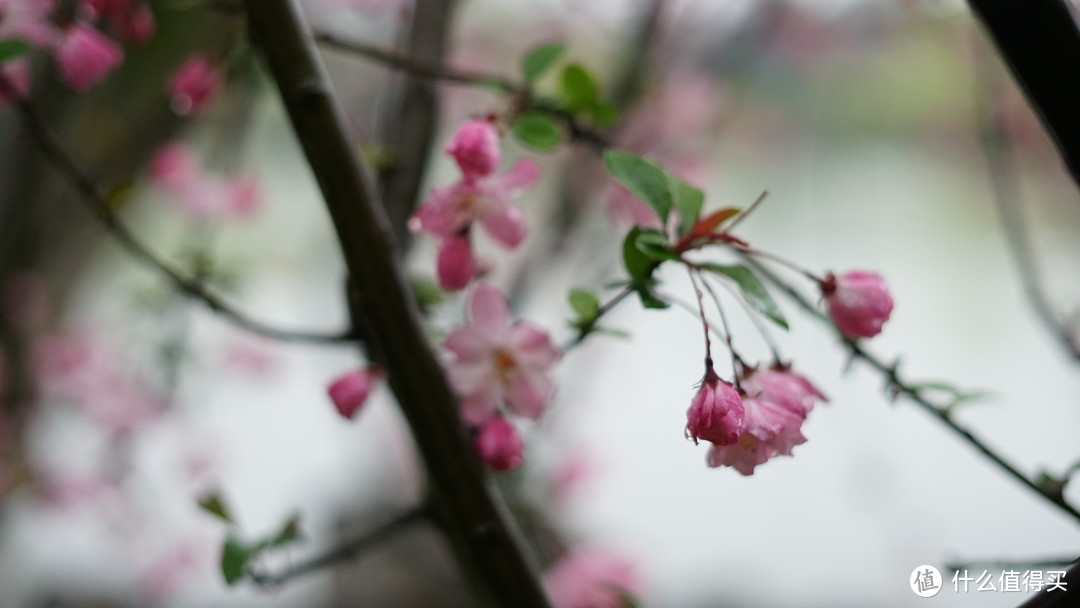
17	73
194	85
716	413
497	361
499	444
771	429
350	390
590	578
450	210
783	387
475	147
28	20
86	57
456	264
858	302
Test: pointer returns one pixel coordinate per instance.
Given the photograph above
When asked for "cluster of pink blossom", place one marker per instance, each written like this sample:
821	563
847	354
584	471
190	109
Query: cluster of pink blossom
762	417
591	578
194	85
201	196
481	195
84	54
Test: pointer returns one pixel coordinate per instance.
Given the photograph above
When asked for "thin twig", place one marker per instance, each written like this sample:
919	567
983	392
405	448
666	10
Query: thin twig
997	148
742	216
345	552
914	394
1013	564
604	309
34	125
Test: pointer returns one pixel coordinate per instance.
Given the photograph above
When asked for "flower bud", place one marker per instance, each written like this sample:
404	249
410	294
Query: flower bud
86	57
716	413
350	390
475	147
858	302
456	264
499	445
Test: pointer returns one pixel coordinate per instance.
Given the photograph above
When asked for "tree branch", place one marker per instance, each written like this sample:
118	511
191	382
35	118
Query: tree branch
55	153
913	393
476	521
1040	41
345	552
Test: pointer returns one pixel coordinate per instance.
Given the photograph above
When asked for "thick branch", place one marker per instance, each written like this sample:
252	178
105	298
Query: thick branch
1040	41
470	512
62	161
915	394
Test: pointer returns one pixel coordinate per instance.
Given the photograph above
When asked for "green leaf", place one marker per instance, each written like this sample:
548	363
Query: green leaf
638	265
213	504
752	289
655	245
687	200
643	179
13	48
579	89
541	59
427	292
537	130
234	560
604	114
289	533
1051	485
585	304
651	300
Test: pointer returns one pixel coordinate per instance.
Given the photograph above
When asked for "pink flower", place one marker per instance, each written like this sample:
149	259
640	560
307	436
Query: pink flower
497	361
202	196
858	302
590	578
499	444
783	387
456	264
716	413
449	211
28	20
770	430
17	73
350	390
86	57
194	85
136	24
475	147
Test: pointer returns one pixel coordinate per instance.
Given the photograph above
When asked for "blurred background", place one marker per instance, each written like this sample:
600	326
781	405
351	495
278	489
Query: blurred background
865	120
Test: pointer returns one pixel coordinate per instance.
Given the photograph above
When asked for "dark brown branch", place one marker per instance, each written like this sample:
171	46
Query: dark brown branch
1001	164
913	393
476	521
62	161
345	552
1040	41
1013	564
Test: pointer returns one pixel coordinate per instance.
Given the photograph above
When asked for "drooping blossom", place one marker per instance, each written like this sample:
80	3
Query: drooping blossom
499	444
775	407
858	302
499	362
350	390
194	85
716	412
86	57
198	194
17	74
456	263
28	20
591	578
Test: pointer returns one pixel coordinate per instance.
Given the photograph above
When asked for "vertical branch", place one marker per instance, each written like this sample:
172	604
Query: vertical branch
411	128
466	503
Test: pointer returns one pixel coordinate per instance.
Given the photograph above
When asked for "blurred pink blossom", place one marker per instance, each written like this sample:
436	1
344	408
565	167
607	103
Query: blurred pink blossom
456	263
86	57
498	361
350	390
17	73
499	444
28	20
475	147
198	194
591	578
194	85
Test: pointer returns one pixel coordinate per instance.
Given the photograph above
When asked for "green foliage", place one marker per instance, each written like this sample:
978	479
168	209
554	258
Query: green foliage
537	130
236	554
234	560
585	304
752	290
656	187
579	93
640	266
13	48
541	59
